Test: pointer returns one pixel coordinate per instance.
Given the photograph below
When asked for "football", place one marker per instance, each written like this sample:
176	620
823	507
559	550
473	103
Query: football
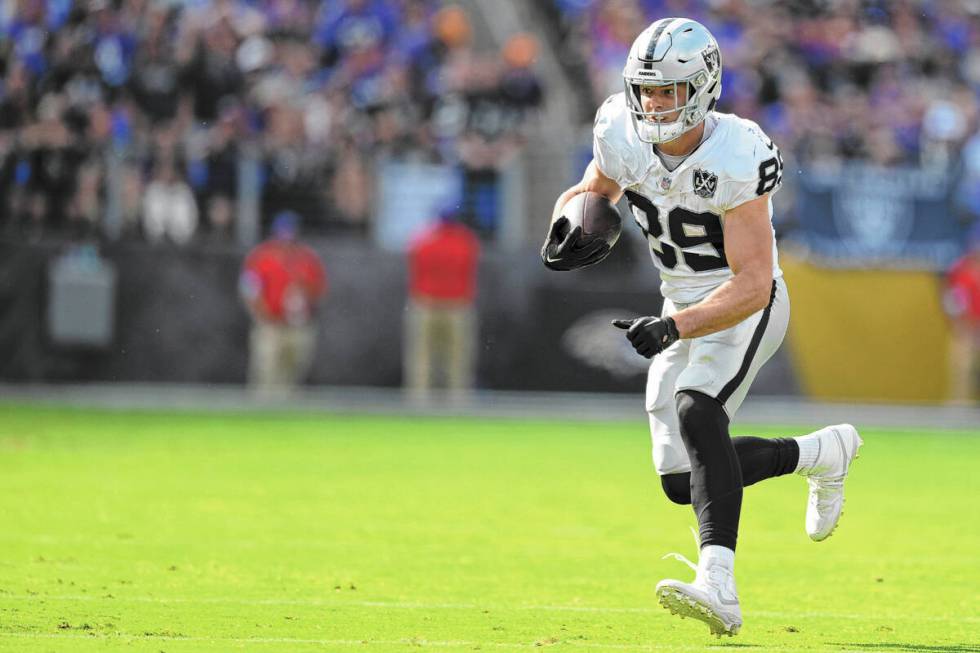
595	214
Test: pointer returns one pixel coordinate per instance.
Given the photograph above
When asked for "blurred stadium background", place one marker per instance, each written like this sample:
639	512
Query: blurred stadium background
145	147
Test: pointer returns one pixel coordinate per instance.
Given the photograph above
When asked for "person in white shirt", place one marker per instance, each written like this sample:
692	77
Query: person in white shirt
169	208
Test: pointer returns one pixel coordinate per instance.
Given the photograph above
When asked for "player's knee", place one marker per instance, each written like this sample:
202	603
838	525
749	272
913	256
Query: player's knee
694	408
700	416
677	487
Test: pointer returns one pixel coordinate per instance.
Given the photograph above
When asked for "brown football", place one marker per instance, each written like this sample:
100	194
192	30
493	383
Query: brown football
595	214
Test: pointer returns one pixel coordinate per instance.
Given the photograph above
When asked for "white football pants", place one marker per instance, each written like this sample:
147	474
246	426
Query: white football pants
721	365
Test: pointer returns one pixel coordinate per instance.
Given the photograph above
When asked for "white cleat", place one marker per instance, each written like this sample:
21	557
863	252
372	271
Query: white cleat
711	598
839	446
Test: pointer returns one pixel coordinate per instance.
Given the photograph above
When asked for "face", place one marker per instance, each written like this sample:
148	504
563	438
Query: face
668	97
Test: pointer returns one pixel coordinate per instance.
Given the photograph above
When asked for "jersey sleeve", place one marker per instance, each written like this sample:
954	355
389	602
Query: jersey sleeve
756	167
610	149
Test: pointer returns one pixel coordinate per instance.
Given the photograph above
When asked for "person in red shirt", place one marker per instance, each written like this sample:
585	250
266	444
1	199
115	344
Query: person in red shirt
962	302
281	283
440	318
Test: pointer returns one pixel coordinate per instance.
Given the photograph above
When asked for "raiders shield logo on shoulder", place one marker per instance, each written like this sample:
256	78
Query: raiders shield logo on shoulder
705	183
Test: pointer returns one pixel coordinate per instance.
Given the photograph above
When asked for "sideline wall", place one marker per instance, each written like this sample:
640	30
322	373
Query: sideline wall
178	319
868	334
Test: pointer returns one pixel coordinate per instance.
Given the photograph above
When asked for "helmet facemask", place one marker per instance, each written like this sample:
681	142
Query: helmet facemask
652	126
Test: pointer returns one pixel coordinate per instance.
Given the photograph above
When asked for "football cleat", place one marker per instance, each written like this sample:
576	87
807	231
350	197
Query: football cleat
838	448
711	598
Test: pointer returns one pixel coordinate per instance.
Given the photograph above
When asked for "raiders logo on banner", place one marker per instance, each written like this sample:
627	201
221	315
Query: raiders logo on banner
705	183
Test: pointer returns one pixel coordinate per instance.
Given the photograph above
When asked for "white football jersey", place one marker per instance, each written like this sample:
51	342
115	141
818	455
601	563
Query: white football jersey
682	212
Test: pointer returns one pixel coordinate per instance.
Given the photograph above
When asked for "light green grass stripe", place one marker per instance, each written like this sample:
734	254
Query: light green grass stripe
410	642
398	605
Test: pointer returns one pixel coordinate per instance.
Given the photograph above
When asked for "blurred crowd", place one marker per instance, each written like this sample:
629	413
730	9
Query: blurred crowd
151	111
890	81
163	117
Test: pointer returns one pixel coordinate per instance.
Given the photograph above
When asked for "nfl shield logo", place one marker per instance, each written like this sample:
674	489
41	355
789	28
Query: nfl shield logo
705	183
665	183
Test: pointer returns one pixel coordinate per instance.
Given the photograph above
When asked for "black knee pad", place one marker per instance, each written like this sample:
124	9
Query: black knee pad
677	487
700	417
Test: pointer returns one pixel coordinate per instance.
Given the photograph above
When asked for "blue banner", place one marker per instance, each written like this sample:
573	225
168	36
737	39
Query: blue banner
859	215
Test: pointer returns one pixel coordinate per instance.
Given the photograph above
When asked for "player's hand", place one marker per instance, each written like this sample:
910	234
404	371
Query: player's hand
571	250
649	335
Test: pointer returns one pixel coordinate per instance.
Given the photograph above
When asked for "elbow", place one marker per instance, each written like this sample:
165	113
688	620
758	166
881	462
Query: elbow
761	292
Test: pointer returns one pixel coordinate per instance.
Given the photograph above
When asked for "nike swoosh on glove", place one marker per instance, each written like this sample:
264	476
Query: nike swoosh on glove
573	251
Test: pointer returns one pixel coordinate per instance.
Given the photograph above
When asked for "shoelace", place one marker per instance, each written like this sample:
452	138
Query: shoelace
680	558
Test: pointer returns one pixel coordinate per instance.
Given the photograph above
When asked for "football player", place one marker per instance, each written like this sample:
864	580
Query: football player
700	184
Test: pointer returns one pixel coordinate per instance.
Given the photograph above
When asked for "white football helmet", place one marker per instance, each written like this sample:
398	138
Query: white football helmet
673	51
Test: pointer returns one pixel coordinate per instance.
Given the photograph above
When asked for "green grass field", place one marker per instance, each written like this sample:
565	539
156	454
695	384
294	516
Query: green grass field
186	532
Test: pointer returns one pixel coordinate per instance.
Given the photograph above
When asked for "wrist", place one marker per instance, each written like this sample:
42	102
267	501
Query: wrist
672	329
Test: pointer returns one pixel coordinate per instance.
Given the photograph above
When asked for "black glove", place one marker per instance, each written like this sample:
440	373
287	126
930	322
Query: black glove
570	250
649	335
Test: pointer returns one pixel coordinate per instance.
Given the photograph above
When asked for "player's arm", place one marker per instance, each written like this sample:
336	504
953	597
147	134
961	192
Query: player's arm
748	248
250	289
593	180
566	248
